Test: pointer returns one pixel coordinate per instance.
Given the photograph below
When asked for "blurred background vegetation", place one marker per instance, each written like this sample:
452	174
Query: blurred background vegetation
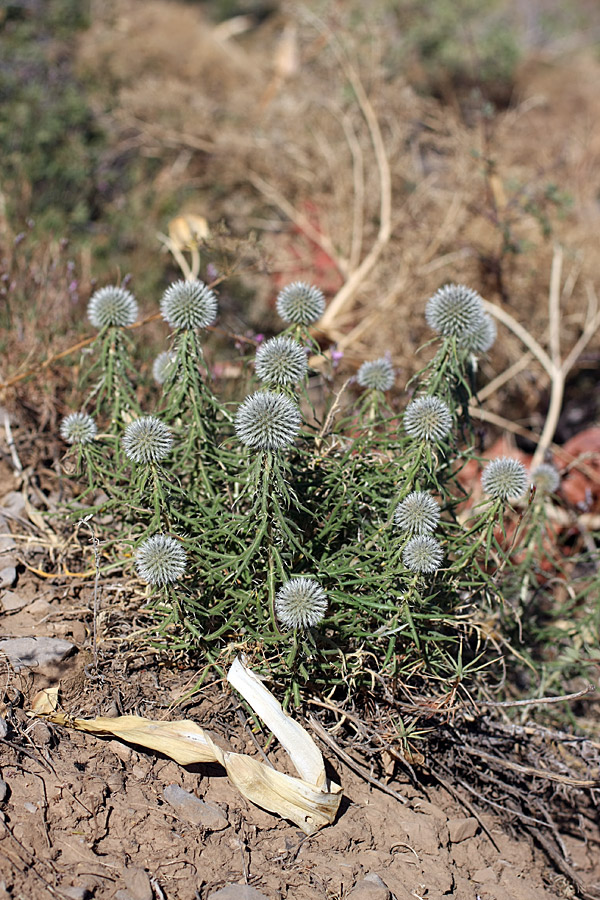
119	116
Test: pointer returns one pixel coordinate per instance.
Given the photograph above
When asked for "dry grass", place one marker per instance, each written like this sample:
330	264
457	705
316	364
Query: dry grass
302	130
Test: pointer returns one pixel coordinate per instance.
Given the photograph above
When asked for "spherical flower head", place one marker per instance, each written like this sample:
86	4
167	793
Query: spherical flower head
281	360
418	513
162	365
160	559
147	440
377	375
482	338
427	418
78	428
504	478
189	304
546	478
300	303
454	310
301	603
267	421
112	305
422	554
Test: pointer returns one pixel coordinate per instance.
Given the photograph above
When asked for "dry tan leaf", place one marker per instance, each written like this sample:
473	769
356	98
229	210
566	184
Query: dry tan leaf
45	701
188	230
310	802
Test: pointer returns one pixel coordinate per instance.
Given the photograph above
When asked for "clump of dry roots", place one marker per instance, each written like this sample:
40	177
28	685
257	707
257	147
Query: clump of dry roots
540	781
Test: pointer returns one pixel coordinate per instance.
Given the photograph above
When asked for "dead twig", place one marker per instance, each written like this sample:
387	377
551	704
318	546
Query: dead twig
351	763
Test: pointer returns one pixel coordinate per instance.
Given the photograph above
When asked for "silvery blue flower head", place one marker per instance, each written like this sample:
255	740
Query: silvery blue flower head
301	603
505	478
281	360
482	338
427	418
418	513
147	440
454	310
78	428
189	304
267	421
160	559
300	303
112	305
422	554
162	365
378	375
546	478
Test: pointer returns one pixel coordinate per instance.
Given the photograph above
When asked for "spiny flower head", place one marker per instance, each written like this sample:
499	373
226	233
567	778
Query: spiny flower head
281	360
546	478
160	559
301	603
267	421
427	418
418	513
422	554
454	310
504	478
162	365
481	338
112	305
377	375
300	303
78	428
189	304
147	440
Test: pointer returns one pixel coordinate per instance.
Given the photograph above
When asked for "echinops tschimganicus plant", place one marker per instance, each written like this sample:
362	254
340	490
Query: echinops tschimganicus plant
328	543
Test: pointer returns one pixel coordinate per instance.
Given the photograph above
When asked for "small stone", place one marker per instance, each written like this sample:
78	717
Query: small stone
374	878
12	602
75	893
3	791
460	829
485	876
237	892
138	884
368	889
35	652
3	727
30	807
13	505
122	751
8	576
194	810
7	543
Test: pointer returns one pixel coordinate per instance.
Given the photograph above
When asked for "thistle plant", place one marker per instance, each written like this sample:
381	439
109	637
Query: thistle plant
160	560
111	309
457	314
301	603
377	375
323	541
300	303
281	361
455	311
504	478
546	478
80	431
162	365
267	421
190	307
78	428
418	513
